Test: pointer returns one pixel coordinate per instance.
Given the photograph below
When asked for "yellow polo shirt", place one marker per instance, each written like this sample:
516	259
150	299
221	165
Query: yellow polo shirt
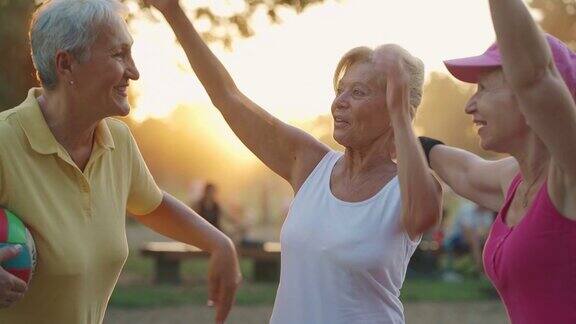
77	218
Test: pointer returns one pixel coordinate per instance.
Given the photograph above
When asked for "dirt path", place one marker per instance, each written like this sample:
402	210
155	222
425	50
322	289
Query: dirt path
490	312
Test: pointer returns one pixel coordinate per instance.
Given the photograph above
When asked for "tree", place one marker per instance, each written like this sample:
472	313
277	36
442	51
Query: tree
225	28
16	68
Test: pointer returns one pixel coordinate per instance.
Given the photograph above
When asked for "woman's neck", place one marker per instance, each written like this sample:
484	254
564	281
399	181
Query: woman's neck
368	158
71	128
533	159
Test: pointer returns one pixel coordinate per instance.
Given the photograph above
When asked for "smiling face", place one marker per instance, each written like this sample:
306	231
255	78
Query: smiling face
359	109
494	108
101	82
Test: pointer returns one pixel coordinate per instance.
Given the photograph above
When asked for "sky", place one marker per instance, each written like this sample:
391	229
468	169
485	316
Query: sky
287	68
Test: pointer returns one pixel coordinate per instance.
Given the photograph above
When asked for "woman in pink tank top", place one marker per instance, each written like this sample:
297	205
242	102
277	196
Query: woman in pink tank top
524	106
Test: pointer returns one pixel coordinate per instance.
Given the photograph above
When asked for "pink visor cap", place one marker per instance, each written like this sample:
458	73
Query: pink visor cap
469	68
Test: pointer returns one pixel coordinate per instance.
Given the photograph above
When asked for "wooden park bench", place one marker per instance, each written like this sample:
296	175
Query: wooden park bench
169	255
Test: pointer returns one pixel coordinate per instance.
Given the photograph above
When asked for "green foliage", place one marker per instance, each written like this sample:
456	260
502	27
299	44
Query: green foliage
437	290
225	28
249	294
143	296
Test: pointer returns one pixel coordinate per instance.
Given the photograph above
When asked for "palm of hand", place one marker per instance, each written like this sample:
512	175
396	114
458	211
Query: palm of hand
390	61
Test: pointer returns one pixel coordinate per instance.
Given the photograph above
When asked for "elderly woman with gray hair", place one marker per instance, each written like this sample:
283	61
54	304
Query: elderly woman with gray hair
357	216
71	173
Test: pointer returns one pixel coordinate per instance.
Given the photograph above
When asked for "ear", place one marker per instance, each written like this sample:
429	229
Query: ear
64	61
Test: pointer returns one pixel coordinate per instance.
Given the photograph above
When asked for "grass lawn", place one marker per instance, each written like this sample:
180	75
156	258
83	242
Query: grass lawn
135	288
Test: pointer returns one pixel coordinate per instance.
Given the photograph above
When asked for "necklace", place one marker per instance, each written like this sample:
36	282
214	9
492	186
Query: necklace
527	191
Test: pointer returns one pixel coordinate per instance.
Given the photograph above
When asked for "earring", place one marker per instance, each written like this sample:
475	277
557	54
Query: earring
71	82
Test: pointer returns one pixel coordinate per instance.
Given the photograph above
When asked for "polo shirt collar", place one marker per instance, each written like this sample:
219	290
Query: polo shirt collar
39	134
103	135
32	121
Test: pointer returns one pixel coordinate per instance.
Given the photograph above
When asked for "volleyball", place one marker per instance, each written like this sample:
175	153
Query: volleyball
13	232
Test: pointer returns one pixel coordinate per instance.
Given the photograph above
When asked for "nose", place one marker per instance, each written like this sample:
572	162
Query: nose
471	105
341	101
131	70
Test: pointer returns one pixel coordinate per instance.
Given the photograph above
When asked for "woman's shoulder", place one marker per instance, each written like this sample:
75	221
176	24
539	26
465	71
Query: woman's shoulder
117	126
119	130
8	130
561	190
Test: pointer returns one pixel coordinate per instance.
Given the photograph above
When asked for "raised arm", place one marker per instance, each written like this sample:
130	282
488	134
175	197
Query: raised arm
481	181
421	191
544	98
288	151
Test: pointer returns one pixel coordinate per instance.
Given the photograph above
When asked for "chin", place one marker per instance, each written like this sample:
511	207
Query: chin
122	109
491	146
124	112
339	139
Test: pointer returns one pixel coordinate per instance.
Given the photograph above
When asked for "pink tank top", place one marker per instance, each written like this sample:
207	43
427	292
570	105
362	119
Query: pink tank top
533	264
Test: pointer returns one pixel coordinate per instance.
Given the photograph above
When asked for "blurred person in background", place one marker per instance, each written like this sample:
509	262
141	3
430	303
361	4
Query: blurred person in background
208	207
466	234
228	221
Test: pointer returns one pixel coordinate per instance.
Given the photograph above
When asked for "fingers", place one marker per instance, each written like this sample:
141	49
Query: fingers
18	285
9	280
212	291
224	277
10	298
9	252
225	300
12	288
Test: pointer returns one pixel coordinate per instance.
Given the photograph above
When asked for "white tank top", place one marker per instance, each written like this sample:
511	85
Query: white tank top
342	262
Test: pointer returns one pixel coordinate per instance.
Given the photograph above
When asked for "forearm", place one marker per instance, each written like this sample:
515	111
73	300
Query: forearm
525	54
177	221
421	192
272	141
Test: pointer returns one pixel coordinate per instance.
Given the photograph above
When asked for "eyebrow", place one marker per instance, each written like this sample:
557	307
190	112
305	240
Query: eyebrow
353	82
122	46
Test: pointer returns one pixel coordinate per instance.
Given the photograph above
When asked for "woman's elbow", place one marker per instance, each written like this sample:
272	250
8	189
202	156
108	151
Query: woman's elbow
423	222
425	215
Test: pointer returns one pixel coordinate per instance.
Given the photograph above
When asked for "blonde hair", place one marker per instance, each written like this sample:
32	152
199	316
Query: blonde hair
365	54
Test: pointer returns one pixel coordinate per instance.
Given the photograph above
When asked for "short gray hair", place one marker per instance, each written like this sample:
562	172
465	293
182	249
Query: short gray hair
68	25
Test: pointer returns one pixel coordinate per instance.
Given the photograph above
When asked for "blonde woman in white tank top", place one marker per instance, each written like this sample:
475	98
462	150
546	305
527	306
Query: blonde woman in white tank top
357	216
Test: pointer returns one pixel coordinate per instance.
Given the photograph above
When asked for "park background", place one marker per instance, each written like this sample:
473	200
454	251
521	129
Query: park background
282	54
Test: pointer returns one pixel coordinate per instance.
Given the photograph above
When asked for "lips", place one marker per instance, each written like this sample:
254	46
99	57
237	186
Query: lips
122	90
340	122
479	124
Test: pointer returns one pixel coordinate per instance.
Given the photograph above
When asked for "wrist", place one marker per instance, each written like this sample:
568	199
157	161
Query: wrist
223	245
171	9
401	117
428	144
